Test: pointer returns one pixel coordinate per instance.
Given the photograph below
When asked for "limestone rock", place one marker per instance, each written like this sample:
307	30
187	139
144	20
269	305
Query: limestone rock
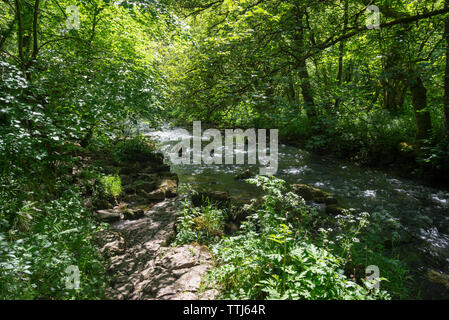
158	194
107	215
314	194
245	174
178	273
439	278
133	214
170	185
145	268
126	179
111	243
135	199
156	169
148	186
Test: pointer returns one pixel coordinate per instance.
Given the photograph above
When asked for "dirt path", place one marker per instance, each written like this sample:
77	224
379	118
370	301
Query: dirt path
144	267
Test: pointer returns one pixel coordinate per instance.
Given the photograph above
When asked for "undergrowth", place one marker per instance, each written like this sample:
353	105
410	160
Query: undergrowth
287	250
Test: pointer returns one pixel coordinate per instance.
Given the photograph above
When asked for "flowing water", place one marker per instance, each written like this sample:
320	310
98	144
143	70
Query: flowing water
422	212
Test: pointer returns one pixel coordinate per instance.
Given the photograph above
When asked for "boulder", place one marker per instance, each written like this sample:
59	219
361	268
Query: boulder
169	185
111	243
126	179
133	214
129	189
102	204
178	273
310	193
150	158
148	176
156	168
136	199
142	193
244	174
107	215
438	278
158	194
148	186
130	168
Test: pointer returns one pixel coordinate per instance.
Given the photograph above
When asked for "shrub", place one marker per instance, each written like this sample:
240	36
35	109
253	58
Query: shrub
202	225
112	185
33	264
135	148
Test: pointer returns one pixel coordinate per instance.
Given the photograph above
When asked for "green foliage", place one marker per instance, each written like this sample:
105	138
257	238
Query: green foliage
34	259
232	63
272	258
60	91
202	225
112	185
130	149
286	250
436	156
298	68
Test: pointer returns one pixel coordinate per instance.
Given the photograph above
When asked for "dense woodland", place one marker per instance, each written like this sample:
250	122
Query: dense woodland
76	74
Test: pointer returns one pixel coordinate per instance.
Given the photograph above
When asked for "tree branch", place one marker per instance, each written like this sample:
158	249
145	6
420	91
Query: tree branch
332	41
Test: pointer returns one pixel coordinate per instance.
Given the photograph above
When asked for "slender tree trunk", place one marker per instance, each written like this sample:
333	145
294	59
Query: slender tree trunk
291	92
27	25
35	25
306	87
419	101
306	90
20	35
341	49
446	75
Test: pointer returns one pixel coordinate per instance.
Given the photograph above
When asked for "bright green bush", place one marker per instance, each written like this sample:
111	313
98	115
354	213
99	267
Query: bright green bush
286	250
112	185
202	225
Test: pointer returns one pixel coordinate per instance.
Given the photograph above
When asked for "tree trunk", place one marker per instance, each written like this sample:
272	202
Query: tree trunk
20	35
27	34
393	75
419	101
341	53
446	75
306	88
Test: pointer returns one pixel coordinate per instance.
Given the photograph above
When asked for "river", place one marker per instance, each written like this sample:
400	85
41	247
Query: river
421	212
